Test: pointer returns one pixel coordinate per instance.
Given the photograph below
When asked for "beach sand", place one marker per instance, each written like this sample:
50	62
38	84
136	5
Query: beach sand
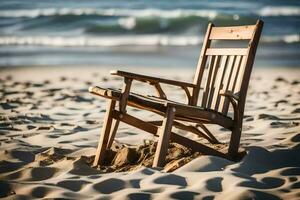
50	126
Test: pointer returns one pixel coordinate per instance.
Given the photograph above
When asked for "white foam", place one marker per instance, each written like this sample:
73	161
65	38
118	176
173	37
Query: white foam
211	14
107	41
293	38
127	23
279	11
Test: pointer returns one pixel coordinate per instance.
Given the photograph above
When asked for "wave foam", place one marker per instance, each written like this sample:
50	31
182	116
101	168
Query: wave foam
279	11
211	14
113	41
294	38
145	40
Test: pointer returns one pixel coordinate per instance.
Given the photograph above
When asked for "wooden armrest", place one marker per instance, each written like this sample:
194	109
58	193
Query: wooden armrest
229	94
151	80
233	98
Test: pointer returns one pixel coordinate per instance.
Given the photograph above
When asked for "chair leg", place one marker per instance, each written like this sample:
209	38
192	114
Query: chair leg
164	137
234	142
114	128
104	136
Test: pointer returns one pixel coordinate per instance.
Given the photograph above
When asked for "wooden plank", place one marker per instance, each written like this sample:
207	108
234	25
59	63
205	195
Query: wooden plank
164	137
238	74
232	33
188	95
201	66
222	74
212	84
196	146
206	91
150	128
236	132
185	112
160	91
103	141
226	51
133	121
114	128
209	137
227	84
150	79
125	93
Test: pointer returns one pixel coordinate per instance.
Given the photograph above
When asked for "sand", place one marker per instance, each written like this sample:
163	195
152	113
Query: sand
50	126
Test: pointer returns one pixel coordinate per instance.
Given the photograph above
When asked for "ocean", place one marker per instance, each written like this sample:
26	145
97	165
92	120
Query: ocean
146	33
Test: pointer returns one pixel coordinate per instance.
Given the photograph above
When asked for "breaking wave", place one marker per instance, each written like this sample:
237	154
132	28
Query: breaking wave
136	40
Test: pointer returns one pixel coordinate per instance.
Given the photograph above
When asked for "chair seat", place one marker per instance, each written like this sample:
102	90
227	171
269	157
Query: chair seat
154	104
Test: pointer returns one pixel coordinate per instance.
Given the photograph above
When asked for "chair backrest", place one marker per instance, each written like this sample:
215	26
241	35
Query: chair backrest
225	68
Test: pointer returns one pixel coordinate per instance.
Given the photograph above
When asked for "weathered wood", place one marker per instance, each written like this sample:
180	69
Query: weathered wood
150	79
220	89
133	121
196	131
214	140
184	112
207	86
212	84
160	91
125	94
201	65
232	33
230	94
150	128
164	137
236	133
103	141
188	95
226	51
112	135
220	78
237	74
225	104
196	146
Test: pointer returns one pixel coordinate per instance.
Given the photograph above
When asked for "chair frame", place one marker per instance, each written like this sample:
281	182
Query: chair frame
174	113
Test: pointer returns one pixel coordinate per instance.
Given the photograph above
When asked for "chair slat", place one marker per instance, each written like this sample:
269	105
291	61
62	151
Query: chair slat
206	91
227	51
212	84
232	33
221	78
226	101
237	75
201	66
227	72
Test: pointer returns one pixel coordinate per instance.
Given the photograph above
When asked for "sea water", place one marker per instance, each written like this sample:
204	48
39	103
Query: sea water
163	33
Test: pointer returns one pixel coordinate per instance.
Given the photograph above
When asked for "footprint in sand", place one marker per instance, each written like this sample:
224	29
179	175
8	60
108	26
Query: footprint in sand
40	192
105	186
280	79
184	195
265	183
280	102
297	110
45	128
284	124
296	185
5	189
214	184
74	185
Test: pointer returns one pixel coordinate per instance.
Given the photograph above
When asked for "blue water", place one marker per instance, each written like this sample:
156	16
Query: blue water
133	33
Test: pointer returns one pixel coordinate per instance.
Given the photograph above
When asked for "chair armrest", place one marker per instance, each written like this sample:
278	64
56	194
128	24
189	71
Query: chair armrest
151	80
233	98
229	94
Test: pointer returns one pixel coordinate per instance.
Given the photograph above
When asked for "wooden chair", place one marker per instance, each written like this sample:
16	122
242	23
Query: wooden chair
221	80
